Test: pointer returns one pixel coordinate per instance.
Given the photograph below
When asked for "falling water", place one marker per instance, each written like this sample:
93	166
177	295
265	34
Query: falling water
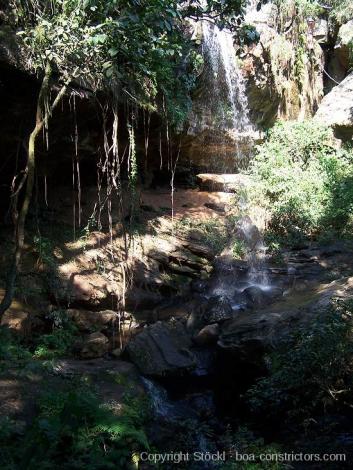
256	253
222	135
219	49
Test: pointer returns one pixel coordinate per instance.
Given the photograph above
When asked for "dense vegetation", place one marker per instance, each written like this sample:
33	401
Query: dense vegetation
336	10
139	55
305	182
73	430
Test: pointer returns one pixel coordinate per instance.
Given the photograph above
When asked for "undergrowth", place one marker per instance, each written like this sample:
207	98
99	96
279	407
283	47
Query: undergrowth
310	373
74	430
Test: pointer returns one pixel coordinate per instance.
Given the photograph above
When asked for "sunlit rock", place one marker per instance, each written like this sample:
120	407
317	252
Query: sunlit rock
336	109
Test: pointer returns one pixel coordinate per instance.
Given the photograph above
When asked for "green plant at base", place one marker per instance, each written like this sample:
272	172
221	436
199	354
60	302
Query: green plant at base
239	249
312	370
44	247
58	343
11	348
74	430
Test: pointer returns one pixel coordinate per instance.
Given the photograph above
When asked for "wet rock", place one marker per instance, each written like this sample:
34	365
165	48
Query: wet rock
248	233
240	300
162	349
218	309
86	320
94	345
195	319
208	335
256	297
198	286
248	337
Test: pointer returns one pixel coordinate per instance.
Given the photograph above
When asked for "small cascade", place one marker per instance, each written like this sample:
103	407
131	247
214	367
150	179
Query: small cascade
174	412
256	254
162	406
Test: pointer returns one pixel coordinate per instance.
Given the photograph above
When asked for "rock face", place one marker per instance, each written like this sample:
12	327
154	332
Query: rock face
340	55
273	90
336	109
162	349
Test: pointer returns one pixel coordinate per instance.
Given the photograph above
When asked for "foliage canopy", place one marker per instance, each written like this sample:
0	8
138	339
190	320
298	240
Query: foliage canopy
139	49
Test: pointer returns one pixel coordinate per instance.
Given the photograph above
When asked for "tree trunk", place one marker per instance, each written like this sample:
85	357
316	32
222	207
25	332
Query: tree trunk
30	173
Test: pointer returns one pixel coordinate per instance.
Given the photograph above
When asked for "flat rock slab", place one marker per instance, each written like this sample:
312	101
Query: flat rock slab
231	183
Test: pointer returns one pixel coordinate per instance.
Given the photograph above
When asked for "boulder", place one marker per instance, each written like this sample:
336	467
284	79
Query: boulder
321	32
336	109
208	335
86	320
94	345
255	297
338	64
162	349
18	321
218	309
85	288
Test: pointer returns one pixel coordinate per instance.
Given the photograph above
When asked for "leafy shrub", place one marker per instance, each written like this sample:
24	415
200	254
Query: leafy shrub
238	249
60	341
74	430
304	182
11	348
312	370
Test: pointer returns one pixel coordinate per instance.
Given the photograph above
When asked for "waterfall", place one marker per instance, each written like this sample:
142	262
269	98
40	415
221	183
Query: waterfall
220	130
218	48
